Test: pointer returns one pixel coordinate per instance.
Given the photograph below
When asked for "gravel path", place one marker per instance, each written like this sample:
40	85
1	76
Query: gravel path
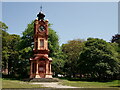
53	85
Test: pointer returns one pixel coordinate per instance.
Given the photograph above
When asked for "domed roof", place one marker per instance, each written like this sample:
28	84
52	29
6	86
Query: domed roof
41	15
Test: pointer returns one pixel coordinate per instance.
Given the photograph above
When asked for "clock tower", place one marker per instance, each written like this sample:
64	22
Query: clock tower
40	63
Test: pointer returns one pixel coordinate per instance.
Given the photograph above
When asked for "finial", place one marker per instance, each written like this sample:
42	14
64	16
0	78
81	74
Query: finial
41	15
41	8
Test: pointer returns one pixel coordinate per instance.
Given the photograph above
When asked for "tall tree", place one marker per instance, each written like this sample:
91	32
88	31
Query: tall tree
10	54
3	43
72	50
13	59
98	59
116	44
53	43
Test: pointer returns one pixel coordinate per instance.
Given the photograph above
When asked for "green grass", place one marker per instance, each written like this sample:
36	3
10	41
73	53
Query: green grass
7	83
86	84
0	83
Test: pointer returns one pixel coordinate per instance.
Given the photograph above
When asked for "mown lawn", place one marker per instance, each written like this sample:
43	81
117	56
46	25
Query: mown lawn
87	84
6	83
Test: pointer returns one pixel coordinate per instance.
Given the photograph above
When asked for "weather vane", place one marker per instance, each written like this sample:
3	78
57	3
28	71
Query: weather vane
41	15
41	8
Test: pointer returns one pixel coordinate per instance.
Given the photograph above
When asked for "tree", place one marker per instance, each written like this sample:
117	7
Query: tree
3	37
72	50
10	55
3	26
98	59
57	66
116	43
13	53
116	39
53	43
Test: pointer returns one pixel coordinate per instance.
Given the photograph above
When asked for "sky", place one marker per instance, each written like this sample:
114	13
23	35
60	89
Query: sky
71	20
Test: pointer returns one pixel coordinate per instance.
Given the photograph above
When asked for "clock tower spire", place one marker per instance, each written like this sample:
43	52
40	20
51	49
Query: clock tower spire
41	8
40	63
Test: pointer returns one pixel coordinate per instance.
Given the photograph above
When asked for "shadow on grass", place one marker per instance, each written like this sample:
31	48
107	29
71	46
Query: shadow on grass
88	80
10	77
114	86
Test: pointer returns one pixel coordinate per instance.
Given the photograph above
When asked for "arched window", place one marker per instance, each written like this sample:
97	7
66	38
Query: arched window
41	43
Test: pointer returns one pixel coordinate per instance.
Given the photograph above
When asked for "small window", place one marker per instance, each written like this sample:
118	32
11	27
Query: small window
41	43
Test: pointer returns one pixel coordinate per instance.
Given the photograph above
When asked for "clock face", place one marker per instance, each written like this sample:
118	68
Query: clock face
41	28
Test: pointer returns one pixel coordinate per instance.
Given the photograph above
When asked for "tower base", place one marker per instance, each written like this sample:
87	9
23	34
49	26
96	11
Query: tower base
41	76
43	80
48	76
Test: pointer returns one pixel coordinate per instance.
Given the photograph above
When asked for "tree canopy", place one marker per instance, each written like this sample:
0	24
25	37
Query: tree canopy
72	50
116	39
98	59
9	50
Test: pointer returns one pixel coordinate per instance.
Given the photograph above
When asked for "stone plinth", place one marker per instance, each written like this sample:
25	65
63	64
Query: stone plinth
43	80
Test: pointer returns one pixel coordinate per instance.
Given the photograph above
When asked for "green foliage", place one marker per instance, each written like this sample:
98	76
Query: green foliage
3	37
9	52
55	53
57	66
116	46
53	43
4	45
116	39
3	26
27	38
72	51
98	59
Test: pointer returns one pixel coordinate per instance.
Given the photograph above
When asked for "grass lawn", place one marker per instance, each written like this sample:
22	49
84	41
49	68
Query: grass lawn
86	84
7	83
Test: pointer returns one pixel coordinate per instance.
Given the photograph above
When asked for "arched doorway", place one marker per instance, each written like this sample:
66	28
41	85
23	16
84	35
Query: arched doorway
42	68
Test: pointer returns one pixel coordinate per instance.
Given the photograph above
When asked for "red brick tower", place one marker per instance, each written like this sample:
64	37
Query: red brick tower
40	64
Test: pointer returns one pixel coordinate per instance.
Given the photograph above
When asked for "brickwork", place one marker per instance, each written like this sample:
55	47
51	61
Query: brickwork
40	63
